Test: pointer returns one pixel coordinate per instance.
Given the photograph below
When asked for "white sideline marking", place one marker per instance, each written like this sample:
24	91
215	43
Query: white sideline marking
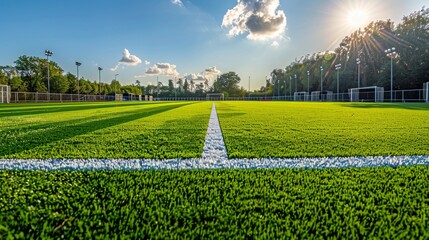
214	146
214	157
201	163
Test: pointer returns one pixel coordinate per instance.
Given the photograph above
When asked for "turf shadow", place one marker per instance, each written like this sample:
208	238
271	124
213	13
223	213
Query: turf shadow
406	106
57	108
40	138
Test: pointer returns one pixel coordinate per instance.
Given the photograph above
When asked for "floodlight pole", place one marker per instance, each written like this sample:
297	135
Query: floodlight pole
391	53
175	91
273	85
321	80
290	86
285	85
338	67
278	87
266	90
157	87
296	88
48	54
249	86
308	82
358	63
99	81
77	76
115	83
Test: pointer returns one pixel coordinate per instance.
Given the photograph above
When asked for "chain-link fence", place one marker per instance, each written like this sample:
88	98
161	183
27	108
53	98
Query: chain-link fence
24	97
414	95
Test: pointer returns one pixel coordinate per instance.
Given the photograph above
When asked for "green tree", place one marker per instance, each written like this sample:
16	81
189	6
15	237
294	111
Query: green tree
4	79
170	86
129	89
33	71
186	86
180	83
17	85
85	86
72	81
227	83
6	74
192	84
115	86
59	84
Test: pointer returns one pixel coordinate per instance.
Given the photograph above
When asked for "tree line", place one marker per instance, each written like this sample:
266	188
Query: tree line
410	38
30	75
227	83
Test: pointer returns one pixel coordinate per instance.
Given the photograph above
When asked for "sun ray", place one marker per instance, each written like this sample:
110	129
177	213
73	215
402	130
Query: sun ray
357	18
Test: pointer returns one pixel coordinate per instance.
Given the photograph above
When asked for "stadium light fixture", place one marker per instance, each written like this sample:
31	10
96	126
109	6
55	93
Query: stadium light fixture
249	87
321	79
296	89
338	68
115	83
48	54
78	64
358	63
308	81
285	83
391	53
99	80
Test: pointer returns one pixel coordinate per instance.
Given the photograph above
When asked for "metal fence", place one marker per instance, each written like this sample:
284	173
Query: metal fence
414	95
24	97
179	98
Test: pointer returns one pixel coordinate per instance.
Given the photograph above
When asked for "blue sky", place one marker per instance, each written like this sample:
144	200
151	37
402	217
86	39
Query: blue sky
193	38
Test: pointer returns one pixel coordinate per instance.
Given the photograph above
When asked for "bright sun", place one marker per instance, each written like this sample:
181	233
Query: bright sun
357	18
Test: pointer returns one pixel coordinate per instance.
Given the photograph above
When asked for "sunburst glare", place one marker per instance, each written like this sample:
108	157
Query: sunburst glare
357	18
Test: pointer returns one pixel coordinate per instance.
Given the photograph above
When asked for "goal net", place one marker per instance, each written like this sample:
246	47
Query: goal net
301	96
215	97
367	94
322	96
426	91
4	94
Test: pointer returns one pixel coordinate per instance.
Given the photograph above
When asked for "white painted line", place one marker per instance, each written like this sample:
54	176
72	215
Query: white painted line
208	163
214	146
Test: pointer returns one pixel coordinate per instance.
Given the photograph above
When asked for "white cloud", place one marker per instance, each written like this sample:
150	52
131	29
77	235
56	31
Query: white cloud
275	44
211	72
127	59
146	62
161	69
195	77
208	74
177	2
114	68
260	19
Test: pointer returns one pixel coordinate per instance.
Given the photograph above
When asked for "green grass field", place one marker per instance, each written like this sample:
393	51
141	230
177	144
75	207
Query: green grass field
373	203
353	203
293	129
251	129
103	130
